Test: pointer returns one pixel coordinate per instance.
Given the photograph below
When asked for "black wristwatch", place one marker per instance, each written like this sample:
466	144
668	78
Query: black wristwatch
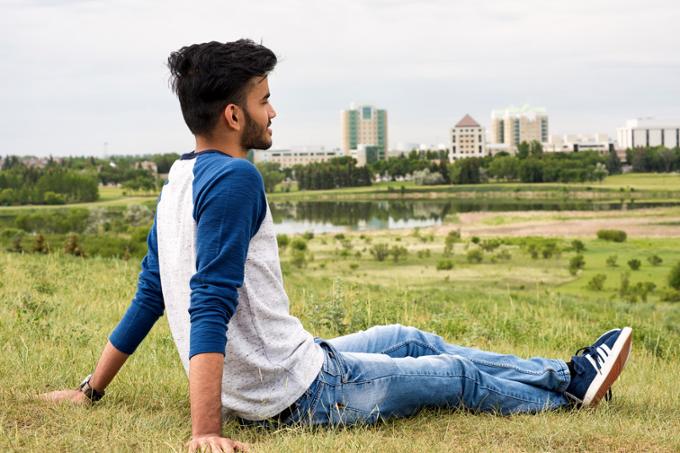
92	394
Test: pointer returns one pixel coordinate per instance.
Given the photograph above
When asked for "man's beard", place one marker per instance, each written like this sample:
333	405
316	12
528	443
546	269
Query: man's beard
254	136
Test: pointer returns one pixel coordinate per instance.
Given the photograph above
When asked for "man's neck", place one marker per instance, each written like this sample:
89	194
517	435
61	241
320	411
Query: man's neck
225	146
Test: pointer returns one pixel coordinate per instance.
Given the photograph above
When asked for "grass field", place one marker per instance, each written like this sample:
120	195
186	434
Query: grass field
56	311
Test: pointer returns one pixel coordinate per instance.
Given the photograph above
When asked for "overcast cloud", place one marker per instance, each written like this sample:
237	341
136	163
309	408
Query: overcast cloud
77	74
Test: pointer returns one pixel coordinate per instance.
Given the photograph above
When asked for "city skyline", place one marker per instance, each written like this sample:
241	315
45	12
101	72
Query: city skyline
75	85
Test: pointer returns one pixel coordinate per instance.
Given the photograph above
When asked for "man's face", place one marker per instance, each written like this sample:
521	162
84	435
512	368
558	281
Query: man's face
258	114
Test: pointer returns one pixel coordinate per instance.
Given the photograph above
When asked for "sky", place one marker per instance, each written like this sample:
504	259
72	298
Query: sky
88	77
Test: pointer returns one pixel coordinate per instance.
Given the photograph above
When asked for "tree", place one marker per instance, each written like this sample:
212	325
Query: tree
535	149
600	171
523	150
271	175
613	163
531	170
465	171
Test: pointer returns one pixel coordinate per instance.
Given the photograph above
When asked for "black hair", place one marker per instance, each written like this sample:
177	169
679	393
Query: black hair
207	77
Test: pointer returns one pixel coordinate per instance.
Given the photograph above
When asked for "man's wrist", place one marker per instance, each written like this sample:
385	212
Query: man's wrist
90	392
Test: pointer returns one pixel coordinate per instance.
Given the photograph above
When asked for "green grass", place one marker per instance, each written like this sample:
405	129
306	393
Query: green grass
56	311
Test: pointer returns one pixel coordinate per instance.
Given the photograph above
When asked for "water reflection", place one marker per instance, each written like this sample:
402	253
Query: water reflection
333	216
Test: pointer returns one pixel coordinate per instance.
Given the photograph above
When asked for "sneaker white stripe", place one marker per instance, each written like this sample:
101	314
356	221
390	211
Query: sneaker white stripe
592	362
602	353
605	348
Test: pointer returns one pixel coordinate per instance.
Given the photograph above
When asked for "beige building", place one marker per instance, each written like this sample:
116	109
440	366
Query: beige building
288	157
364	125
514	125
468	139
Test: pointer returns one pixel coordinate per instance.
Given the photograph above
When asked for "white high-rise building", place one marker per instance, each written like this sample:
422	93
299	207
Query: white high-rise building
468	139
645	132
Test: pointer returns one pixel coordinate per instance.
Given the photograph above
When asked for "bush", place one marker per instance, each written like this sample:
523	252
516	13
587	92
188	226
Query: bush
612	235
597	282
308	235
451	239
380	251
634	264
576	263
72	247
282	240
504	254
674	277
444	265
475	239
475	256
339	236
611	260
425	253
298	257
299	244
398	252
40	245
654	260
578	246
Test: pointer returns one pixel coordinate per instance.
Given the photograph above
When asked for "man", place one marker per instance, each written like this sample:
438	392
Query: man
212	264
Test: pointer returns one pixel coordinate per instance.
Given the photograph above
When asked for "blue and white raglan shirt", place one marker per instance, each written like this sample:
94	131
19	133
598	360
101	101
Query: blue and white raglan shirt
213	265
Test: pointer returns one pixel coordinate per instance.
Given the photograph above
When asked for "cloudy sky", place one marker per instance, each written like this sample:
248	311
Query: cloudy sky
89	76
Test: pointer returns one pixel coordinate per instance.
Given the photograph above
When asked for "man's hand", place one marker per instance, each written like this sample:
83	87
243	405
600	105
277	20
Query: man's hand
73	396
213	443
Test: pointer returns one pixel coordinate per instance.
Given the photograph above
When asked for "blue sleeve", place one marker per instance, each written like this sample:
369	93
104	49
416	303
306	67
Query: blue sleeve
147	305
229	206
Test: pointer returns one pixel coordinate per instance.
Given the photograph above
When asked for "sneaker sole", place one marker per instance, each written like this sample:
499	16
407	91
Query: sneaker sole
611	369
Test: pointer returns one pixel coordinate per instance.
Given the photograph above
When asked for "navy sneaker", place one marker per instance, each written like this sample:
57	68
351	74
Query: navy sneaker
596	367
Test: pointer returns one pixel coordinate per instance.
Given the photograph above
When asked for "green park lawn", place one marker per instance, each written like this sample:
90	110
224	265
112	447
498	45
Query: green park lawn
56	311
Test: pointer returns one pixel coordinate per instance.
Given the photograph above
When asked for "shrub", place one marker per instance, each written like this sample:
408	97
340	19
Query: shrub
17	246
444	265
490	245
597	282
298	258
282	240
634	264
308	235
611	260
654	260
425	253
578	246
339	236
40	245
612	235
380	251
398	252
72	247
475	256
299	244
451	239
576	263
353	266
475	239
674	277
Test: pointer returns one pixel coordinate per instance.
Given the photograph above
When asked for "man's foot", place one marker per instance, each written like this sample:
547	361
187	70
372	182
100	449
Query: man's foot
596	367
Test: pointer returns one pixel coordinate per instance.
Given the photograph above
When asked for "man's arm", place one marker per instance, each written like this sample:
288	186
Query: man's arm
229	207
146	307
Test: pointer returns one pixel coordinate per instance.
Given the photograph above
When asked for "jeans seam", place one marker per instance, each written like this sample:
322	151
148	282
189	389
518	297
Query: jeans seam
419	343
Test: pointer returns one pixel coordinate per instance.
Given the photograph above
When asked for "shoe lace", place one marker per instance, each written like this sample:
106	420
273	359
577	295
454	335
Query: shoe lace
590	350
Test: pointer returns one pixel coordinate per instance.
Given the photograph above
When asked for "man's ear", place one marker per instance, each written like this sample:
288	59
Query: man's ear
233	117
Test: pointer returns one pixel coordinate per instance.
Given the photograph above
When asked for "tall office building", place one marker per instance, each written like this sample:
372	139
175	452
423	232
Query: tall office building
468	139
514	125
364	125
644	132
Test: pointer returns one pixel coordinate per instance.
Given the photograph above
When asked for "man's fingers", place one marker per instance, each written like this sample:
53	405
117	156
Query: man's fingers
240	446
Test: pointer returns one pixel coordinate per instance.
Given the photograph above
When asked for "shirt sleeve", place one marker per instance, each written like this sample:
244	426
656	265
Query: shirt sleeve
228	209
147	305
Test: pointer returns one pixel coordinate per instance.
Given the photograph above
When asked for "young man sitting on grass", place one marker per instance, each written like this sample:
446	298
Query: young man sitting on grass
213	266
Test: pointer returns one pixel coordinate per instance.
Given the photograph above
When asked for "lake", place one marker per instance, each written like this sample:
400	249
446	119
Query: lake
292	217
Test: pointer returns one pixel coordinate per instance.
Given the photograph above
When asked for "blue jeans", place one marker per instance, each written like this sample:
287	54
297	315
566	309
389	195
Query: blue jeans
394	371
